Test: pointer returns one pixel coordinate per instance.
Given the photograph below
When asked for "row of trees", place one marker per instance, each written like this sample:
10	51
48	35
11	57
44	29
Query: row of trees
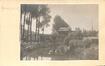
40	13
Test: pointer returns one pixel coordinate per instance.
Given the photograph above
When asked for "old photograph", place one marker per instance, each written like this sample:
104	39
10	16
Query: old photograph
59	32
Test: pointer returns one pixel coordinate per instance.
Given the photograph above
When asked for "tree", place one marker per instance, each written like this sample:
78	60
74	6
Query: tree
24	11
36	12
43	11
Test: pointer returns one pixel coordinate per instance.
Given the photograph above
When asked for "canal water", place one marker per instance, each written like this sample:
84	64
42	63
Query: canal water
38	58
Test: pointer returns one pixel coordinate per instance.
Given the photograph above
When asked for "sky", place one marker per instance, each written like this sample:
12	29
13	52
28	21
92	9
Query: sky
83	16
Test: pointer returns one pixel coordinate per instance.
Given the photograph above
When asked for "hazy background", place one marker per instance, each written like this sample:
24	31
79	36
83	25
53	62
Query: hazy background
83	16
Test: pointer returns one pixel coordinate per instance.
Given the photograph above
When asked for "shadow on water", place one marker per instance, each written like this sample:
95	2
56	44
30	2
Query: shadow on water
42	54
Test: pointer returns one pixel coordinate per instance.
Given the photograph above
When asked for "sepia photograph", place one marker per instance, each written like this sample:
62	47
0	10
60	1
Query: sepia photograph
59	32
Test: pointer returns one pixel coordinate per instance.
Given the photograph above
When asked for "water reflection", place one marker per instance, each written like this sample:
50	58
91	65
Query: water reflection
36	58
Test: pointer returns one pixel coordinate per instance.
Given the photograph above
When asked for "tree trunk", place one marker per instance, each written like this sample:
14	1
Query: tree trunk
30	28
43	34
43	30
36	31
23	35
28	36
21	27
